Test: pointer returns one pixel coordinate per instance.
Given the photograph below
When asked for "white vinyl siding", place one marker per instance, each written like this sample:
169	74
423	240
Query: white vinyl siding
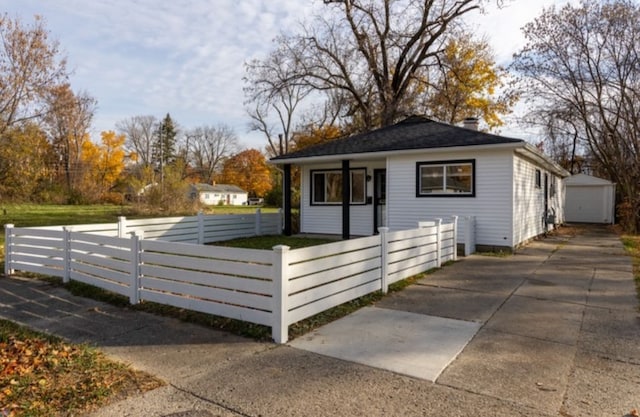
491	204
235	199
507	205
557	201
528	200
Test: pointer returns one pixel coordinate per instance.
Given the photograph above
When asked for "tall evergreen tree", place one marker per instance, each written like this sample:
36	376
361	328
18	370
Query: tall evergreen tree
164	149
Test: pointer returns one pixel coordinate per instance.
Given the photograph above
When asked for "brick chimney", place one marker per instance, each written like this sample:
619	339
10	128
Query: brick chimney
471	123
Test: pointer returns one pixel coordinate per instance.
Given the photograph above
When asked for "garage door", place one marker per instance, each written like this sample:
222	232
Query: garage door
586	205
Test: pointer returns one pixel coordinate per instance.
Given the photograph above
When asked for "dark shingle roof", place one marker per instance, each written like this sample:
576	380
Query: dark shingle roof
415	132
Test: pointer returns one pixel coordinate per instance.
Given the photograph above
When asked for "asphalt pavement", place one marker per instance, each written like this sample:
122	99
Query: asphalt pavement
553	330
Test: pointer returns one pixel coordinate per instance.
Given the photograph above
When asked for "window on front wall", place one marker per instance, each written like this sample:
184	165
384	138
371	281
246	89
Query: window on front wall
326	186
446	179
538	179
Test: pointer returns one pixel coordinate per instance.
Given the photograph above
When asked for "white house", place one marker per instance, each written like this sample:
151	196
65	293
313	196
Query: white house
225	194
589	199
419	169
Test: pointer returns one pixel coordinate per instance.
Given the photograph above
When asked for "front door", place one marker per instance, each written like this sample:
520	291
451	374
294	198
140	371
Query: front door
379	199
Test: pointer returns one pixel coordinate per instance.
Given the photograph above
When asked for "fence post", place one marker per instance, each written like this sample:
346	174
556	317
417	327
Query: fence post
455	237
438	243
136	249
122	226
258	222
66	274
280	323
200	228
8	248
384	249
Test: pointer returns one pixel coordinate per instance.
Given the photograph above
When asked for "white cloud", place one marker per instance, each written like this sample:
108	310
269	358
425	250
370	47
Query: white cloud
186	57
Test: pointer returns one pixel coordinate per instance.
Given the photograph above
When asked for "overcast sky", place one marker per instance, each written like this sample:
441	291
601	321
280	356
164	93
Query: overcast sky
186	57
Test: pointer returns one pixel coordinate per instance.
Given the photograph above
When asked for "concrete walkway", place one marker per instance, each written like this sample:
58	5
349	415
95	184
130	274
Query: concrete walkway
551	331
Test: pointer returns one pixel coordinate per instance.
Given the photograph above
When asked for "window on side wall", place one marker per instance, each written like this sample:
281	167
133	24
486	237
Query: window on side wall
326	186
445	179
538	179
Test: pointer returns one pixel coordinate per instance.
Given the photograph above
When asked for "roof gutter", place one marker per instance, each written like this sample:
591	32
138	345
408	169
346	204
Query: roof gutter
384	154
530	152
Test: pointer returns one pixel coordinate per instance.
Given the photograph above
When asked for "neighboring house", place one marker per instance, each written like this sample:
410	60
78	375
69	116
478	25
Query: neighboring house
225	194
589	199
420	169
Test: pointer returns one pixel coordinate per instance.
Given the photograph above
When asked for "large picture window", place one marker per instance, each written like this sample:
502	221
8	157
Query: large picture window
326	186
445	179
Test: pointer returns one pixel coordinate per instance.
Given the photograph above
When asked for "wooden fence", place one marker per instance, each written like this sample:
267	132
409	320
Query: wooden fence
274	288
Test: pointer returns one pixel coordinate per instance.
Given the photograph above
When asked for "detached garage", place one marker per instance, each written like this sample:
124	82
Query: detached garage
589	199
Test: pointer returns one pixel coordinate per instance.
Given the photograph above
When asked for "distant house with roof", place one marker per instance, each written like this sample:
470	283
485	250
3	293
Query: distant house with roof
420	169
216	194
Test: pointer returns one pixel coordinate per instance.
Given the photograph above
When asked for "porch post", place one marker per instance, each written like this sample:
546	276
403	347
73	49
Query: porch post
346	199
286	191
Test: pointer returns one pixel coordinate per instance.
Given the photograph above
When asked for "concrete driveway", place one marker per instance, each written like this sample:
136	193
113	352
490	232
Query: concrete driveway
551	331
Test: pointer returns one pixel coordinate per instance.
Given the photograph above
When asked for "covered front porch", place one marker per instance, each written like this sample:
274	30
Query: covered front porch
345	198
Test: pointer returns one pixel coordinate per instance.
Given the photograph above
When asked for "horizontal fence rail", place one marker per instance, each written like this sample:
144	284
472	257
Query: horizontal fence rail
229	282
156	260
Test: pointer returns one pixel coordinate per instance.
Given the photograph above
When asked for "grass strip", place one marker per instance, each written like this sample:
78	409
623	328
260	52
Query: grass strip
632	245
241	328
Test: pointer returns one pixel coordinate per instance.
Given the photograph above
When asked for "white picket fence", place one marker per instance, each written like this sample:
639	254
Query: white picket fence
274	288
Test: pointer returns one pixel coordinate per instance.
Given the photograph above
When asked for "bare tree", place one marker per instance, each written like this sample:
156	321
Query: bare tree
271	94
141	135
30	66
583	62
209	146
375	52
68	120
369	58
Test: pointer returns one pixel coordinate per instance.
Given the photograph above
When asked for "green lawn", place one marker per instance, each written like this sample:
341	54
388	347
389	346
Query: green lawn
30	215
27	215
268	242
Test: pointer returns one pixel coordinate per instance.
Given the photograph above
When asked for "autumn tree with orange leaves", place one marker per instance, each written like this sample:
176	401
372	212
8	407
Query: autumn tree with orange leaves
103	164
469	83
248	170
25	162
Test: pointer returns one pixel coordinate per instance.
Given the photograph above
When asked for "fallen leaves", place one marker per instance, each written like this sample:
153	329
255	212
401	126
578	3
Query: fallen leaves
41	376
